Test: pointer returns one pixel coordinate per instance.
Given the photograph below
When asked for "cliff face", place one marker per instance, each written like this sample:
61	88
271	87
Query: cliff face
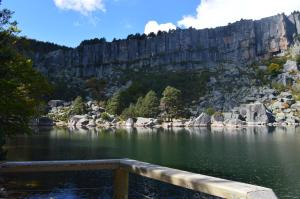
238	43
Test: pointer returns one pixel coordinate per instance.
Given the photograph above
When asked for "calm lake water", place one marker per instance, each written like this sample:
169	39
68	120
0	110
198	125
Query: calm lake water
263	156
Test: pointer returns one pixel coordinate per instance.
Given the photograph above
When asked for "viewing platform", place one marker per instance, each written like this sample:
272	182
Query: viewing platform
123	168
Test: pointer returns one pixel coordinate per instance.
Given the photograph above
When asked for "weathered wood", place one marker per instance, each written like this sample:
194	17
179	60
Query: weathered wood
121	181
205	184
53	166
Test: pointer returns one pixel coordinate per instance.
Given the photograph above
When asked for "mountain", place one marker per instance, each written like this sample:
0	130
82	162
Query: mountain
229	48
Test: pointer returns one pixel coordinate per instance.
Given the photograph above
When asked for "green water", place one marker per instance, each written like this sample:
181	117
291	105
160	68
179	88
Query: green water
261	156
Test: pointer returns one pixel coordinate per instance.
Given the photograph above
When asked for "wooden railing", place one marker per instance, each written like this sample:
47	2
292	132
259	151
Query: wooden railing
122	167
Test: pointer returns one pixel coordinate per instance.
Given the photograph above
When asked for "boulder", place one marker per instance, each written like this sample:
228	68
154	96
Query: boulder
202	120
234	123
82	122
217	120
56	103
296	106
290	66
144	122
129	122
255	113
280	117
92	123
76	118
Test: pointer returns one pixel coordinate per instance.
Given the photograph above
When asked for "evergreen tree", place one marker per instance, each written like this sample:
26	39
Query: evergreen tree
114	105
129	112
171	103
150	105
22	88
78	107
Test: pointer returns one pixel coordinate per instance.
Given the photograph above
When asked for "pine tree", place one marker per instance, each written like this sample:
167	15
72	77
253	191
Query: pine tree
171	103
114	105
150	105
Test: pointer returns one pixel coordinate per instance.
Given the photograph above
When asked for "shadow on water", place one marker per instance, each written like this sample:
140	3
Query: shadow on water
265	156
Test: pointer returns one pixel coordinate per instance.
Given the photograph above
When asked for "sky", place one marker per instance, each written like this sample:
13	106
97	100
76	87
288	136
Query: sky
68	22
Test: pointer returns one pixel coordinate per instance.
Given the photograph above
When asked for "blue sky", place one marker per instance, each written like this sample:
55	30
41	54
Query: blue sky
68	22
43	20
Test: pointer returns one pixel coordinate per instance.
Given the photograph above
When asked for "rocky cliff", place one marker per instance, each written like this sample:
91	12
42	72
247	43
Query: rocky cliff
219	56
240	43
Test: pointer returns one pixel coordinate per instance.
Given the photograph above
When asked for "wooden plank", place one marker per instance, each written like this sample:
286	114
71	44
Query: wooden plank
205	184
53	166
121	180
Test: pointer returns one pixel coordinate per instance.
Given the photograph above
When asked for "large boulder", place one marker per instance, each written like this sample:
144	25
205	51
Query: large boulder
78	121
129	122
217	119
56	103
202	120
144	122
255	113
290	66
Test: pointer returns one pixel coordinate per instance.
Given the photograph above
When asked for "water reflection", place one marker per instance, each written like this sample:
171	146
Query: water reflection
265	156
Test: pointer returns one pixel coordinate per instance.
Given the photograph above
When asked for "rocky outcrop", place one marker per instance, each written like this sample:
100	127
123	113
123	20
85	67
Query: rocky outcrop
202	120
241	42
255	114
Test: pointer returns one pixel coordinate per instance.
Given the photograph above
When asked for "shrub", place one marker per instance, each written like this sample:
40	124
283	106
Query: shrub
298	59
105	116
296	91
274	69
210	111
278	86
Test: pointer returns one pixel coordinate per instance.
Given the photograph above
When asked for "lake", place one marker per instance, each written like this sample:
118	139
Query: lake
265	156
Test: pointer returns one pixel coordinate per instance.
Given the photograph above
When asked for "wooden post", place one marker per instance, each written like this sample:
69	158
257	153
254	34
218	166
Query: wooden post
120	184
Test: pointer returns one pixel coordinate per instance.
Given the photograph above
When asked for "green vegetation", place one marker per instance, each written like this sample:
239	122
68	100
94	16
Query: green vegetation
298	59
192	84
92	41
278	86
62	90
22	89
276	60
129	112
147	106
296	91
97	87
171	103
210	111
78	107
26	45
105	116
274	69
115	104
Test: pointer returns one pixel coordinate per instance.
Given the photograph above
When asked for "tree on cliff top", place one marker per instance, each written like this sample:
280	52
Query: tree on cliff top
22	88
171	103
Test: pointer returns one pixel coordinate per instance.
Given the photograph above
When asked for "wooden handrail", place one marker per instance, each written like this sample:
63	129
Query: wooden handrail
205	184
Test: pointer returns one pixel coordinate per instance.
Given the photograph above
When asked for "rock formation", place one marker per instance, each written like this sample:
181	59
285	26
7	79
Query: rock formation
241	42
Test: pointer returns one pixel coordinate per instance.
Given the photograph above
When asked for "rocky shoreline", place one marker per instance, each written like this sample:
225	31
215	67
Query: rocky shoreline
278	109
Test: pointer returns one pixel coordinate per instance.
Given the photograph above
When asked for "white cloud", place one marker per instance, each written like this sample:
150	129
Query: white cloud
83	6
153	26
212	13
